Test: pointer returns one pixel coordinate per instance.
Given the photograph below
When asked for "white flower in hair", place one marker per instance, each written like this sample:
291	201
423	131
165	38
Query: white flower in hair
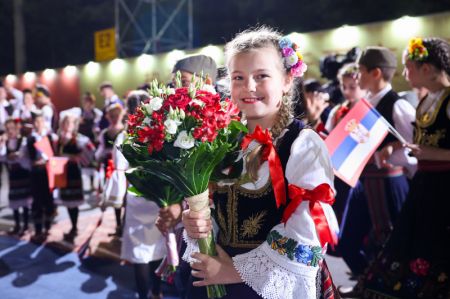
291	60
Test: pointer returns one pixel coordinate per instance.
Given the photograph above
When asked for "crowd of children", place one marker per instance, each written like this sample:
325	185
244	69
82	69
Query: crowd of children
391	226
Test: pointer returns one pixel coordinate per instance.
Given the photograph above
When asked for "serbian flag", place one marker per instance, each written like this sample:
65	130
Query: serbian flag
44	146
56	170
353	141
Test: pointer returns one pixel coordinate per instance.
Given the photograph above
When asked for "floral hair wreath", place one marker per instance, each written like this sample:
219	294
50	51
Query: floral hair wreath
293	60
351	70
416	50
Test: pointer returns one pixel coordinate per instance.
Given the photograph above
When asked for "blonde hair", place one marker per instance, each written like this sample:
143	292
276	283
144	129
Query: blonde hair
349	70
254	39
70	117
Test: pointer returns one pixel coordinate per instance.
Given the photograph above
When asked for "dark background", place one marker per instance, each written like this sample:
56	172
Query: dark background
60	32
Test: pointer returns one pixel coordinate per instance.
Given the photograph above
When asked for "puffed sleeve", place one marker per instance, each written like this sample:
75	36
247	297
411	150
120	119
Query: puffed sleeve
116	186
87	150
286	265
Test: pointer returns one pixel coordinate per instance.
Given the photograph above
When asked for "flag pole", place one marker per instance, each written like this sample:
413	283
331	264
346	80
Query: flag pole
391	128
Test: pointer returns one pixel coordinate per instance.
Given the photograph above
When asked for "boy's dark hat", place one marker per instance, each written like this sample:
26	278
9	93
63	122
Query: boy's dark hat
43	90
105	84
197	64
373	57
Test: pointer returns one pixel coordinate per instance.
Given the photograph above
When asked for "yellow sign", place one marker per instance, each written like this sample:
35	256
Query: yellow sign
105	44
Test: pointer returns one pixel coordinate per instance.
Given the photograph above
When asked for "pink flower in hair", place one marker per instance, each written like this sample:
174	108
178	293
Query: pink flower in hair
287	52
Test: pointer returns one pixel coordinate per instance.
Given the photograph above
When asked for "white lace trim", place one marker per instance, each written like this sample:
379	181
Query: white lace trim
192	246
274	280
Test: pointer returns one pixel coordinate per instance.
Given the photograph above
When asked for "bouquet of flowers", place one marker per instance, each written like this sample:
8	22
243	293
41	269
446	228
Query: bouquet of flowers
176	141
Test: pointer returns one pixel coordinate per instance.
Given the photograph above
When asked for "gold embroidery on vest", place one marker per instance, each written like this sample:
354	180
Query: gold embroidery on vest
427	119
251	226
230	236
433	139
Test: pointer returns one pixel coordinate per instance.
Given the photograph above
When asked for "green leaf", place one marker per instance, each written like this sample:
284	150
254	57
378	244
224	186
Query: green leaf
135	191
169	172
153	187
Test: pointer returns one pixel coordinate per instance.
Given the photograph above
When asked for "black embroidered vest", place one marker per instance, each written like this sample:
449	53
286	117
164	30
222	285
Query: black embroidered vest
245	217
434	129
108	141
32	152
16	164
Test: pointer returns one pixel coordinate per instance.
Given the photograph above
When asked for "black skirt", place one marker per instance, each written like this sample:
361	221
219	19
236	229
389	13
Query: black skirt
415	261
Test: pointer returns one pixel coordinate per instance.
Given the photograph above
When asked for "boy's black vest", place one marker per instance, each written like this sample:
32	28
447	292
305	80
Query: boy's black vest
386	108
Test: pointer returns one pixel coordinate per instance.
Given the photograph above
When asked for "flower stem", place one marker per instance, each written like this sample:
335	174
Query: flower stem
208	246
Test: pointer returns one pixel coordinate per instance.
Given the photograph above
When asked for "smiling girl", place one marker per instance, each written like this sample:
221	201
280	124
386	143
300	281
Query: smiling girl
275	221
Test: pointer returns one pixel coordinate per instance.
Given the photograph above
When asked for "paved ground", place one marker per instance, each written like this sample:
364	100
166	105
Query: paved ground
54	270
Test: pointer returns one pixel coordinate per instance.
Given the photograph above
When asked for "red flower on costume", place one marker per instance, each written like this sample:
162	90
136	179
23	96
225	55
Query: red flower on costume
419	267
340	113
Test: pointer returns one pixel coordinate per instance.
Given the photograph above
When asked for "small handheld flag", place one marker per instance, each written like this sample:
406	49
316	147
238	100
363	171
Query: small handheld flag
353	141
44	146
56	170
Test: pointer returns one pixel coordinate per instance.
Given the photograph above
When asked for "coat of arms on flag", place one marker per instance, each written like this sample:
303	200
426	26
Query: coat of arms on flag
354	140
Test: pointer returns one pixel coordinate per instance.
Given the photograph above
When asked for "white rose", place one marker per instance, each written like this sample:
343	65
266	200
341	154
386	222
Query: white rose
156	103
184	140
209	88
171	126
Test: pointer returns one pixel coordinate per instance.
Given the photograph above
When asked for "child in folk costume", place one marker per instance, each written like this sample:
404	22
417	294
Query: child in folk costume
414	262
348	82
43	207
351	203
142	243
269	245
25	112
385	183
90	117
80	150
14	153
103	155
316	105
89	126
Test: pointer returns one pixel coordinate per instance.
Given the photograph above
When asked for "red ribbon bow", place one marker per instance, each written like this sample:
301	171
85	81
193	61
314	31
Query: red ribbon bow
269	154
340	113
322	193
110	169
